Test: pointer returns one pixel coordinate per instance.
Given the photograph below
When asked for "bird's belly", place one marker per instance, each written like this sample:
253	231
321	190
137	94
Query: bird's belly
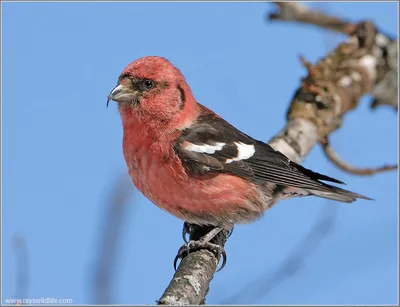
213	200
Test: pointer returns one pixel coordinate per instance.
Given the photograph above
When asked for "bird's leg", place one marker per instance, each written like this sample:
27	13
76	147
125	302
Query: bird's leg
210	235
202	243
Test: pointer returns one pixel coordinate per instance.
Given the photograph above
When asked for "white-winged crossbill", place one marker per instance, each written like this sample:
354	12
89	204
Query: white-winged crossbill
192	163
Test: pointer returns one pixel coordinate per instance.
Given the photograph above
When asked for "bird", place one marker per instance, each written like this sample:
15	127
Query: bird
195	165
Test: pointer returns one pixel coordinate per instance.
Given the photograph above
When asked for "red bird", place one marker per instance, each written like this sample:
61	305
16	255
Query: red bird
192	163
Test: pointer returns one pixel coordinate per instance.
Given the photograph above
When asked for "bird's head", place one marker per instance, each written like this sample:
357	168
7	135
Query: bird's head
153	91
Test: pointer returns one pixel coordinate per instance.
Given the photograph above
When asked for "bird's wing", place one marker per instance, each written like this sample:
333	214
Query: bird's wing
213	145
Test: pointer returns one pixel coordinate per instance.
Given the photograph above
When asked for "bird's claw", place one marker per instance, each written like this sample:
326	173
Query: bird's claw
185	232
193	246
230	232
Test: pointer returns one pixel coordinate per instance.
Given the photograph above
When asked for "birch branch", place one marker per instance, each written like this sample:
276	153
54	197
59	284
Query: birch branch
365	63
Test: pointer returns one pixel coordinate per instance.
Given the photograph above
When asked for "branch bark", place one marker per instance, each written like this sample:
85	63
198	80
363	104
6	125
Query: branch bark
365	63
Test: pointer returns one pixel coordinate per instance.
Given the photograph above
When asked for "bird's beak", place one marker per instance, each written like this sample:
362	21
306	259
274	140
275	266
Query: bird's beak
120	93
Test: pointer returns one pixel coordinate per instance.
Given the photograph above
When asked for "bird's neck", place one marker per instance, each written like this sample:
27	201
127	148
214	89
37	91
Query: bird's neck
155	127
142	134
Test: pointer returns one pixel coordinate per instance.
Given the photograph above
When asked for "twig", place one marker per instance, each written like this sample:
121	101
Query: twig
332	88
296	12
264	284
112	228
21	254
335	159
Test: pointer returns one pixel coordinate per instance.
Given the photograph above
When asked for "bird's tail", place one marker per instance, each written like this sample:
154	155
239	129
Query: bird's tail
338	194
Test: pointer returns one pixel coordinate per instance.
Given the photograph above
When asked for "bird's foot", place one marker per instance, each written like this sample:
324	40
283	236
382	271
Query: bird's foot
194	246
186	231
230	232
201	243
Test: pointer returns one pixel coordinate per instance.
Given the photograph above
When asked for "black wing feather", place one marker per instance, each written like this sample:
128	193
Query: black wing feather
266	164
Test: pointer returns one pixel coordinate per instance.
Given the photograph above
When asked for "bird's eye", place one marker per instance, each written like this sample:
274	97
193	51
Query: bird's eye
148	84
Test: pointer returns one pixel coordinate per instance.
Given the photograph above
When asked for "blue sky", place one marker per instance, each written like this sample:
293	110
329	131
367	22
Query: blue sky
62	152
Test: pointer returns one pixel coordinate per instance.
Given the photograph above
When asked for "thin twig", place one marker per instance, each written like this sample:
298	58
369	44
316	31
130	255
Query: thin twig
112	227
335	159
264	284
21	255
296	12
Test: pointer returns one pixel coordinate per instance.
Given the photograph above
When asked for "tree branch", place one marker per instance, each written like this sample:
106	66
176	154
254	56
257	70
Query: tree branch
190	283
363	64
385	91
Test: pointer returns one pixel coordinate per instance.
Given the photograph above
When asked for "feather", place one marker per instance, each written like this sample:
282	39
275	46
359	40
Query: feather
213	145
